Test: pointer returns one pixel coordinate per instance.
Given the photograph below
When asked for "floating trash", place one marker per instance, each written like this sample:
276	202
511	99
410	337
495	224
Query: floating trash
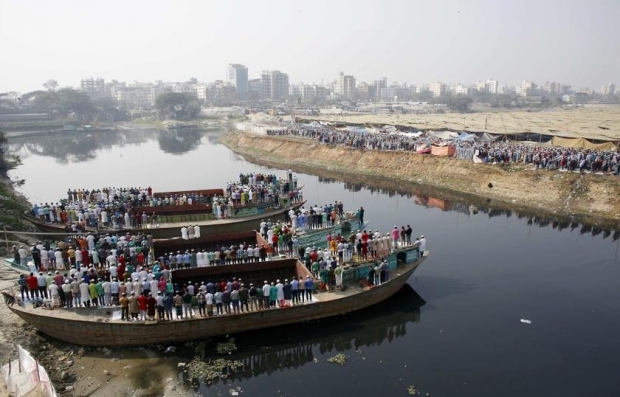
212	369
226	347
412	391
338	359
524	321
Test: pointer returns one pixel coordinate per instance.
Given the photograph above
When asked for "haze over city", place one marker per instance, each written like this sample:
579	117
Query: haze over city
407	41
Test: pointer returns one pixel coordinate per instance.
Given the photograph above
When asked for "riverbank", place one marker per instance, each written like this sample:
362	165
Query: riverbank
590	199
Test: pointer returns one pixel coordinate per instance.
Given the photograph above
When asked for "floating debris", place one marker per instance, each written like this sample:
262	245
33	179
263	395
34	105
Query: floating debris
212	369
525	321
412	391
338	359
226	347
170	349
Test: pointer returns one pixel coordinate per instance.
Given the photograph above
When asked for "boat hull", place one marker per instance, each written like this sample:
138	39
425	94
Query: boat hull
230	225
86	329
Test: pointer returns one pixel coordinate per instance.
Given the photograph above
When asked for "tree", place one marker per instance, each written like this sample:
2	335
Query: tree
460	104
62	103
177	105
7	162
50	85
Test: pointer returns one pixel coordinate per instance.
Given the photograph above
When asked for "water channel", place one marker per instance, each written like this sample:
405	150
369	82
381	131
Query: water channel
456	330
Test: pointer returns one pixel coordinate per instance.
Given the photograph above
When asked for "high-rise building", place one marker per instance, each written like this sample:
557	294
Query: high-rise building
491	86
95	88
237	75
436	88
255	89
379	85
346	86
527	88
274	85
608	89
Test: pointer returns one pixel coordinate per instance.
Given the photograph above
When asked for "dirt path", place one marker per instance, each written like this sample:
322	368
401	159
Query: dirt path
591	199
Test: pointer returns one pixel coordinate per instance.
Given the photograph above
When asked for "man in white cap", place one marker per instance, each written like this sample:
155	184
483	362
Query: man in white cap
23	256
266	292
280	293
422	244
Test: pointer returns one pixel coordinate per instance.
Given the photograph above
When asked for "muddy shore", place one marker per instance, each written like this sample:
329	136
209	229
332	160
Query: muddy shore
575	197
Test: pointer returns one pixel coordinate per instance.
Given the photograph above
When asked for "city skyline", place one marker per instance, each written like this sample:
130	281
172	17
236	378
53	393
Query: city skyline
410	42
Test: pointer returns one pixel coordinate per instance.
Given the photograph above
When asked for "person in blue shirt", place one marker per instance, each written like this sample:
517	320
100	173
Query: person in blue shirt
308	285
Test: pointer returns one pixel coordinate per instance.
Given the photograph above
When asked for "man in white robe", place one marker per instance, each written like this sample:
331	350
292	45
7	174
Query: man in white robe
196	231
184	235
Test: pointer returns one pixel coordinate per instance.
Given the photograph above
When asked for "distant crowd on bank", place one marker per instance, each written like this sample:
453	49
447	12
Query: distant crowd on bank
490	152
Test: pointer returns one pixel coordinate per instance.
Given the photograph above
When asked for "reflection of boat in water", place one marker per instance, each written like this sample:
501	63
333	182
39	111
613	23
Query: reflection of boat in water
264	352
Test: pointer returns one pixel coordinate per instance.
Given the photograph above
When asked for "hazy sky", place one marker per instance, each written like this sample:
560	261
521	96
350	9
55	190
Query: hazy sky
414	41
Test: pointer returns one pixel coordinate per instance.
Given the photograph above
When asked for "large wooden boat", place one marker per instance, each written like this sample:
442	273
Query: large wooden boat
99	327
244	219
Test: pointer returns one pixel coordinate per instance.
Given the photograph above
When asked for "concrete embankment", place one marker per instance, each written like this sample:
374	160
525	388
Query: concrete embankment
591	199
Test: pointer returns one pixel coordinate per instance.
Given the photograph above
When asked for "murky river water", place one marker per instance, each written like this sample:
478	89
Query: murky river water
456	331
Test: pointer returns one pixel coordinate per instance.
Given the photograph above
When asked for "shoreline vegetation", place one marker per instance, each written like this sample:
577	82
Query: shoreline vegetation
584	198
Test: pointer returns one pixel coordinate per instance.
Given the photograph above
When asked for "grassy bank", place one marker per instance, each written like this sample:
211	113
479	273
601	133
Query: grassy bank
591	199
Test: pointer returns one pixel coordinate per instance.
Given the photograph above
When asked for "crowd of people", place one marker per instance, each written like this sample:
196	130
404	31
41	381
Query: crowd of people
543	157
115	208
492	152
119	271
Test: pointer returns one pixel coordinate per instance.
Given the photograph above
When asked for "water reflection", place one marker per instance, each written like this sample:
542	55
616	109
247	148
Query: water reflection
83	146
422	198
179	141
269	351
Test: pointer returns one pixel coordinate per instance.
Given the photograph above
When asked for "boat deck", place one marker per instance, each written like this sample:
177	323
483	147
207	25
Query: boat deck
112	314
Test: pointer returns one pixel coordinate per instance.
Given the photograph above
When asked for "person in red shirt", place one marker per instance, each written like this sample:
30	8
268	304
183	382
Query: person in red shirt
142	305
85	257
150	307
274	242
314	256
365	236
140	258
120	271
33	286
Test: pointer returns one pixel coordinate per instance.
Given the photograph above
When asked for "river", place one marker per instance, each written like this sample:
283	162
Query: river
456	331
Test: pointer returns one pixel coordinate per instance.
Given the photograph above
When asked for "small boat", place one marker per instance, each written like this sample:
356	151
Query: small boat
104	328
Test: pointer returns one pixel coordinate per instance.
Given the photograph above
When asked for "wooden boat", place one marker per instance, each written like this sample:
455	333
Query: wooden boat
97	327
163	246
318	237
245	219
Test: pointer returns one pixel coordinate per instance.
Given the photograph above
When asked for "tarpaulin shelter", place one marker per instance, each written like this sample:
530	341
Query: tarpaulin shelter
443	150
581	143
486	137
447	135
465	137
